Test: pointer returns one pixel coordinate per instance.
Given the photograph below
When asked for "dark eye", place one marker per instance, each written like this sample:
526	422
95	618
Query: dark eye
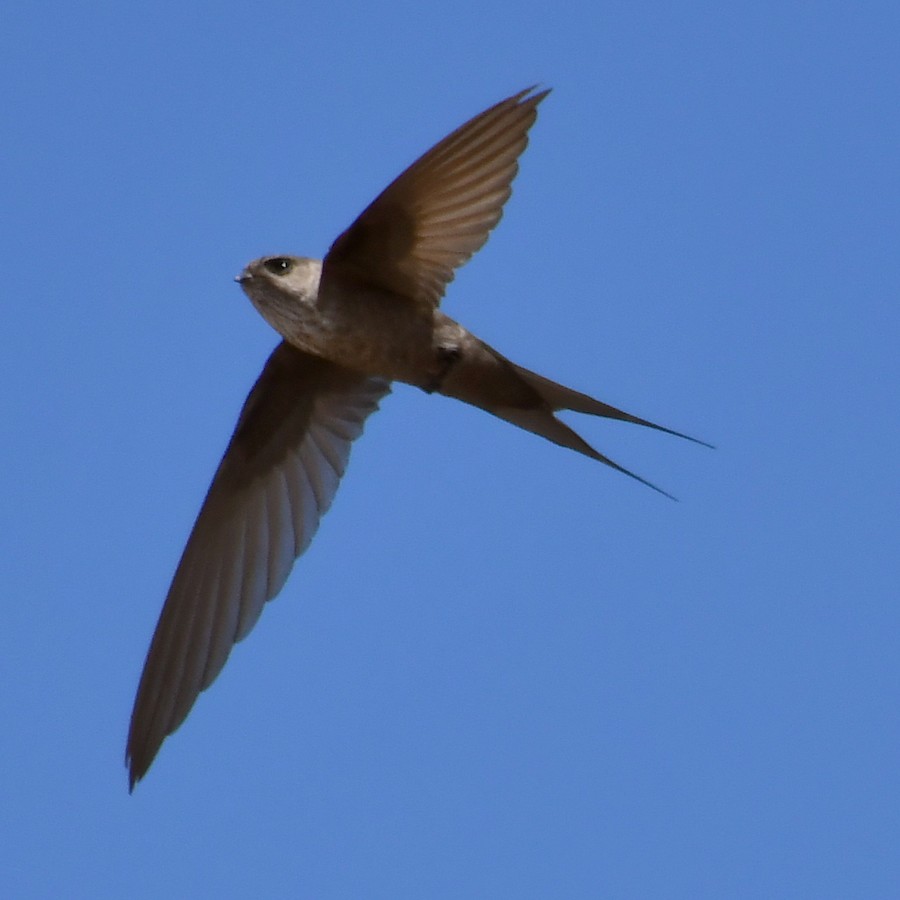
279	265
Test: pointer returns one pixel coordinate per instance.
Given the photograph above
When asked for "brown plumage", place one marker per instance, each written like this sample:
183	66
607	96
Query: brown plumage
364	317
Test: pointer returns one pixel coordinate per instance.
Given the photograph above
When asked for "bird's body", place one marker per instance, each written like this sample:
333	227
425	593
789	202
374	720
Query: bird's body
351	324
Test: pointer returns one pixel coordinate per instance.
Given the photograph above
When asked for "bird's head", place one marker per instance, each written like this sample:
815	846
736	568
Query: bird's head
280	287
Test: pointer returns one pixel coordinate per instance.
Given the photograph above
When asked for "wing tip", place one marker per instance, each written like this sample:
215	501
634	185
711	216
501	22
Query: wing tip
533	94
136	771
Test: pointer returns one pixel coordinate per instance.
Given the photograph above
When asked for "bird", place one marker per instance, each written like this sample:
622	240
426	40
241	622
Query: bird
350	325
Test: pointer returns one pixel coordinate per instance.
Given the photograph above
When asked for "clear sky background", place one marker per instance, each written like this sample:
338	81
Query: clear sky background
502	670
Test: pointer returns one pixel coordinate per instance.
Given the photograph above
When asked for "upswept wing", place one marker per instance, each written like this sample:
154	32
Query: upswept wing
435	215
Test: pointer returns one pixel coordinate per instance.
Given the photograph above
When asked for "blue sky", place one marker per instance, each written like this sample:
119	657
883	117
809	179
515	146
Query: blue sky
501	669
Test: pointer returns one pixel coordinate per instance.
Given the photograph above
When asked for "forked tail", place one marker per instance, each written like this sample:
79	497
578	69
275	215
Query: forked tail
540	420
